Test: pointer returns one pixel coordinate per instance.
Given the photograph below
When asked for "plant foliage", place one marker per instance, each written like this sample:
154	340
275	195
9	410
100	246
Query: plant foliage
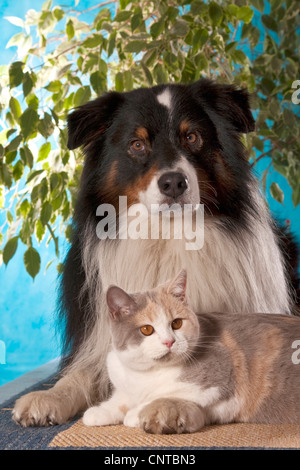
67	56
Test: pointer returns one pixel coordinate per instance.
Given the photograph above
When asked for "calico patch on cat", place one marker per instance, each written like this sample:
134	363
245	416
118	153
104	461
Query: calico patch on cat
175	371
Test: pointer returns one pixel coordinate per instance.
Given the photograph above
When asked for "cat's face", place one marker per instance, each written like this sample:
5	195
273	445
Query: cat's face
153	328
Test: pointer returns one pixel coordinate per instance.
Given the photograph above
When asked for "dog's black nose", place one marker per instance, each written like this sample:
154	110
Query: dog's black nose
172	184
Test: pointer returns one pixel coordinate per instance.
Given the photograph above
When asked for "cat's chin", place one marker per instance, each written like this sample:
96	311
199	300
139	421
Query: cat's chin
167	356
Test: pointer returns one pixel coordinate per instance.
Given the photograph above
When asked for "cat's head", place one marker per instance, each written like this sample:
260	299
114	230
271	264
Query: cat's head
154	327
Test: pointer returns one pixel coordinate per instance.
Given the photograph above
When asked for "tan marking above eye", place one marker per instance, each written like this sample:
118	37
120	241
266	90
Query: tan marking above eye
142	133
177	323
184	126
147	330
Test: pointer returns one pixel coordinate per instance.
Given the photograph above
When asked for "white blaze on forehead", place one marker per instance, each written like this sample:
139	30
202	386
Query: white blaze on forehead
165	98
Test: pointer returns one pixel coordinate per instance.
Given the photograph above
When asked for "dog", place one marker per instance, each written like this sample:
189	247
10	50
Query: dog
169	144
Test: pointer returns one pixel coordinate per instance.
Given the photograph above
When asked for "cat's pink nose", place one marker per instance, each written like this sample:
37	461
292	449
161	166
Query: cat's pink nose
169	343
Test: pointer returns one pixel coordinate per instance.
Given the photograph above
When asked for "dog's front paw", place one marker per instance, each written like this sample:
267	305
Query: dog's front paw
171	416
42	408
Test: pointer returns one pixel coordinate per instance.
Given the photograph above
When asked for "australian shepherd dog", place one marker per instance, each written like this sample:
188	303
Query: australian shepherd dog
170	144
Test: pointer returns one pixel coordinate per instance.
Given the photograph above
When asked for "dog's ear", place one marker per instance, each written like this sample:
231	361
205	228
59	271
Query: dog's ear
228	102
92	119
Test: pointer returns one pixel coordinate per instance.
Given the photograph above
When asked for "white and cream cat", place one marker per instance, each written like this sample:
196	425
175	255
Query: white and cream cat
173	371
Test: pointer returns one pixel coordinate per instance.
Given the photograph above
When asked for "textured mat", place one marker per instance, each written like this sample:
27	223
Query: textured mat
230	435
74	435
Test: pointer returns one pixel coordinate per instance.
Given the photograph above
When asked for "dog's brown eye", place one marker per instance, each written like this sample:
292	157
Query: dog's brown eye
192	138
147	330
138	146
177	323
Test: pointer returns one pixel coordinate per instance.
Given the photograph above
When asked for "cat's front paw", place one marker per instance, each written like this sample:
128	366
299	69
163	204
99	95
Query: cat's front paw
171	416
132	419
97	416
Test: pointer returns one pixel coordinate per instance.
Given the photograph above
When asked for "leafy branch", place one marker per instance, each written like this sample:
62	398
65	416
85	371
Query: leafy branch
62	62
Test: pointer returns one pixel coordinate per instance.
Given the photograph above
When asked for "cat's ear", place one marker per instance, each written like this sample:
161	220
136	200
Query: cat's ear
177	287
120	304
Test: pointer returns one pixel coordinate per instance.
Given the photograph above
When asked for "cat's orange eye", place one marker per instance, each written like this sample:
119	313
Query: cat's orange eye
147	330
177	323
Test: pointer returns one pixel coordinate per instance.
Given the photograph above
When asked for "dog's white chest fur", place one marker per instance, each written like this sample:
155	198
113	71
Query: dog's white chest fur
229	274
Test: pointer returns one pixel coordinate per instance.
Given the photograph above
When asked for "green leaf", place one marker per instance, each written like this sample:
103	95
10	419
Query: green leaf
46	126
123	16
216	13
150	57
70	29
135	46
40	230
33	102
258	4
10	249
93	41
18	170
44	151
136	21
289	117
26	156
245	14
28	122
43	189
201	61
6	175
296	195
171	61
13	145
157	28
15	74
160	74
46	22
148	74
24	208
119	83
16	40
58	13
200	38
82	95
55	86
33	174
269	22
32	261
276	193
98	82
264	179
111	43
27	84
128	80
239	56
46	213
180	28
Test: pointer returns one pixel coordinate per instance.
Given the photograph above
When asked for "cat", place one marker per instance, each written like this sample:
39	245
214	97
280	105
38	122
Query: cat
175	371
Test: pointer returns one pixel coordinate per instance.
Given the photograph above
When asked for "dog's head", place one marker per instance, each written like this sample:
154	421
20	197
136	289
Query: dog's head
166	144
